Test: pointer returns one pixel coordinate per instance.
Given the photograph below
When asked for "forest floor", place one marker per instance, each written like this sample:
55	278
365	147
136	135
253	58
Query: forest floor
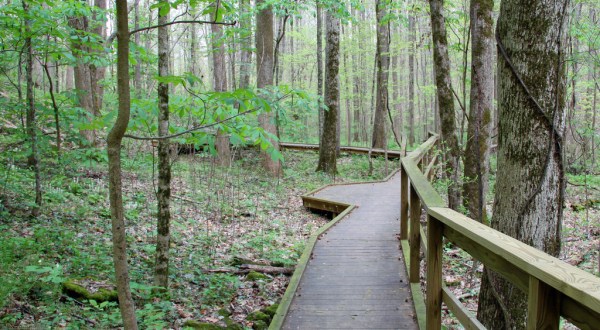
218	216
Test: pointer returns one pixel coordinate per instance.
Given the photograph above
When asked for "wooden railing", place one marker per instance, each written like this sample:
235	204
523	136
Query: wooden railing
554	287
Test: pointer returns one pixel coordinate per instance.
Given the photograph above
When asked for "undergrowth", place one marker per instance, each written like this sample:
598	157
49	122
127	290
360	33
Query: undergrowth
217	213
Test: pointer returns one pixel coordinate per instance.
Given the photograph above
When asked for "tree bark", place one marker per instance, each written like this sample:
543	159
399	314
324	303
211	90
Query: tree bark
348	91
114	141
163	194
264	77
480	112
245	43
530	178
220	85
320	70
411	78
383	65
446	101
31	124
327	152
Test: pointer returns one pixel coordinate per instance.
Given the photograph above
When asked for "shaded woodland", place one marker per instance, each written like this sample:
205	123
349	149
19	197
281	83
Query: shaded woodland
141	157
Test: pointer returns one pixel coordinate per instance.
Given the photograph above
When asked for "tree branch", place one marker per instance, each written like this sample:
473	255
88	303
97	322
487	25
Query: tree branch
197	128
114	35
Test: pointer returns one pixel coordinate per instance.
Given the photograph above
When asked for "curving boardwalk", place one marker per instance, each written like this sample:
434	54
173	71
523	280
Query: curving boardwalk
355	278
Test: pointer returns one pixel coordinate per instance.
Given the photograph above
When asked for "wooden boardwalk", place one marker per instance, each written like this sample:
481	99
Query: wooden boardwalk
355	278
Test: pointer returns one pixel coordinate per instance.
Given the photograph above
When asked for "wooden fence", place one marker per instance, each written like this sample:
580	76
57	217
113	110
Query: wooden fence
554	287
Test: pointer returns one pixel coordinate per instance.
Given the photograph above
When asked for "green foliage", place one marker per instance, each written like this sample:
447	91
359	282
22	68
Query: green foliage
219	288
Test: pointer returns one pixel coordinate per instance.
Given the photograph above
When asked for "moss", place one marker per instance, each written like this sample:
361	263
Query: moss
77	291
232	325
258	316
260	325
201	325
255	276
224	312
271	310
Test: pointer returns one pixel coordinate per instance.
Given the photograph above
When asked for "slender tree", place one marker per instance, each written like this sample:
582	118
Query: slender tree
220	85
163	194
383	65
264	74
530	179
320	68
480	113
31	123
411	76
115	187
445	100
245	45
327	152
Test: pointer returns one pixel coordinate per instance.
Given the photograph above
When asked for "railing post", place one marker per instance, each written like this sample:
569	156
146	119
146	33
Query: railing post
434	274
543	310
403	204
415	236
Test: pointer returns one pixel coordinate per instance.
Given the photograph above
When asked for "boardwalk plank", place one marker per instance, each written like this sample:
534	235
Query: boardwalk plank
356	278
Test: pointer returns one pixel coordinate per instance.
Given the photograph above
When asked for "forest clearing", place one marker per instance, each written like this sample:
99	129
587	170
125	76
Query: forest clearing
277	164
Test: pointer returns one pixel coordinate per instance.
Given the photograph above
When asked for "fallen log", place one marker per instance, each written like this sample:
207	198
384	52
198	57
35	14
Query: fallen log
247	268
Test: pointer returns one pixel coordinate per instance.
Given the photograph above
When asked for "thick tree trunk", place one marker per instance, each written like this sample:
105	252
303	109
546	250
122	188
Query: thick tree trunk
530	179
264	76
163	195
114	141
482	89
411	78
31	124
445	100
383	65
220	85
327	152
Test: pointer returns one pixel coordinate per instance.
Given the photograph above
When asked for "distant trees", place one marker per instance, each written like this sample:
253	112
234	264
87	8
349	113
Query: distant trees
530	180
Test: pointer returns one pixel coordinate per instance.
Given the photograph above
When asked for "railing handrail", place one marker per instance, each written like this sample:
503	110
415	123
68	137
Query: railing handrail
543	277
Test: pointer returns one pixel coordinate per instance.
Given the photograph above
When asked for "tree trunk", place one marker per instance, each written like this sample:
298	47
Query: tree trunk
411	78
163	195
383	66
97	74
357	80
264	76
327	152
396	95
31	125
320	70
114	141
137	70
480	112
445	100
530	179
220	85
245	43
348	91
